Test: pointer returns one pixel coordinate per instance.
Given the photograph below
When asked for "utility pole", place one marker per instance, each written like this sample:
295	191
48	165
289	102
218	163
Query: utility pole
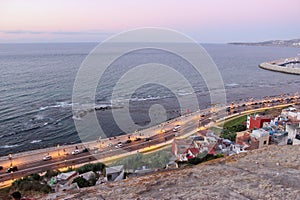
10	158
58	150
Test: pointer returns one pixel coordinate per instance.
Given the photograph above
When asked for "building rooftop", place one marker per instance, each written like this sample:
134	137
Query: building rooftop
294	125
87	175
114	169
66	176
194	151
258	133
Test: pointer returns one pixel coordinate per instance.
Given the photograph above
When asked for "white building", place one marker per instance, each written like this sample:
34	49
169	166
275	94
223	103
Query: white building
261	136
293	130
115	173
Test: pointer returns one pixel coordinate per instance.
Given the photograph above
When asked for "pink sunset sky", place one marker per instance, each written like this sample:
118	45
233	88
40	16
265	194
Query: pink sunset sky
209	21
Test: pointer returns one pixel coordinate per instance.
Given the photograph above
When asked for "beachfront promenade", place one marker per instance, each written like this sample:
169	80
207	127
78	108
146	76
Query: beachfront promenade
101	150
281	66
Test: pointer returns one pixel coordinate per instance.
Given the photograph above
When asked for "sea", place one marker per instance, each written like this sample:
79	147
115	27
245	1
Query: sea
37	80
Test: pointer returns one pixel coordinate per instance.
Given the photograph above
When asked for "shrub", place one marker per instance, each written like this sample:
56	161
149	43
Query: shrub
28	184
99	167
195	161
51	173
46	189
35	177
17	183
219	155
81	182
91	167
200	158
228	135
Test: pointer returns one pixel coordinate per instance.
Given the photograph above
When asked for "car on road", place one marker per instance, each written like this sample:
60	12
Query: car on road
48	157
12	169
75	152
147	139
119	144
1	168
85	150
176	128
128	141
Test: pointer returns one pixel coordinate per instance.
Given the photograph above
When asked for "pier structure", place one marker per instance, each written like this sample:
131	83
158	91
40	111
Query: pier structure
288	65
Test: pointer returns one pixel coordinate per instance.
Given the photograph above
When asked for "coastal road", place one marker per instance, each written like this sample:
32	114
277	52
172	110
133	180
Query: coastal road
31	162
72	160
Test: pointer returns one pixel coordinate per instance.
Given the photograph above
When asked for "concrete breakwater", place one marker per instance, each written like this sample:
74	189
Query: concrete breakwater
284	66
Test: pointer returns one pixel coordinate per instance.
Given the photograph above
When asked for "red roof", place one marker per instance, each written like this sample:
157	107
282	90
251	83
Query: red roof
190	157
194	151
212	151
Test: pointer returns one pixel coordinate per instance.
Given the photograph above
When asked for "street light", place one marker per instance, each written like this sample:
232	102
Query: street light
58	150
10	158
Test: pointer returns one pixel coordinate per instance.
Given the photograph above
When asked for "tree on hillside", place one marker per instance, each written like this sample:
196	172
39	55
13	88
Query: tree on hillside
81	182
91	167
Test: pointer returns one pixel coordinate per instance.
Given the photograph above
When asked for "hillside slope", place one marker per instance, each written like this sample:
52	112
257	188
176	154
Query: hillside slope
271	173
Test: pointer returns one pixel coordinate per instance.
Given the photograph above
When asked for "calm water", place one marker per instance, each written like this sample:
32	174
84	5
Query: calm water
37	80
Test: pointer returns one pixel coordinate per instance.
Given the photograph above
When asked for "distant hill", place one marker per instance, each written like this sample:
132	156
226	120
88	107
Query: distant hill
289	43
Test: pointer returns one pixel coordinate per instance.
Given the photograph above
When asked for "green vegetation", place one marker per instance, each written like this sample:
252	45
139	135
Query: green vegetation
37	183
235	121
203	157
51	173
231	127
226	134
81	182
238	124
95	167
4	193
216	130
31	183
91	167
158	159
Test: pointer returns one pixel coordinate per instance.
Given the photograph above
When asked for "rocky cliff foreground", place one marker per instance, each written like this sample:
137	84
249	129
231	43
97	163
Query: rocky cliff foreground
271	173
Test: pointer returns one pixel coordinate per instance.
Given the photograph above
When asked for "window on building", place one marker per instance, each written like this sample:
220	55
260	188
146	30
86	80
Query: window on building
265	142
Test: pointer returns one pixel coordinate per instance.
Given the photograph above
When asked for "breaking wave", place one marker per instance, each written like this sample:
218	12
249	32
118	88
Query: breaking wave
35	141
9	146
